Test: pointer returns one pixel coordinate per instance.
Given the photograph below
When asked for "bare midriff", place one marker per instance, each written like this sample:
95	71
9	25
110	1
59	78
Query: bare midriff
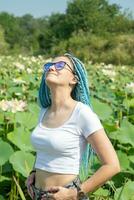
45	179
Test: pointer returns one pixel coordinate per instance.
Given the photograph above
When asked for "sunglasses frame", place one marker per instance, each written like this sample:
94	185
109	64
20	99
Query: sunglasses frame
53	63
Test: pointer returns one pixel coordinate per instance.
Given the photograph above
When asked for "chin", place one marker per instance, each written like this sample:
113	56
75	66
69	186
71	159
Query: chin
50	80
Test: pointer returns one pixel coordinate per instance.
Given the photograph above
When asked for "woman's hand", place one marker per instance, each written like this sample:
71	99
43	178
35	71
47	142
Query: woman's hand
61	193
30	180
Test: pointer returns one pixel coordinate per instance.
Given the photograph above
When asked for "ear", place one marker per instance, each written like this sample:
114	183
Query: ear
75	80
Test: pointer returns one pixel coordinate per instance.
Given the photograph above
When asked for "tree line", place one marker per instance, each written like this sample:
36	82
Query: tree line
91	29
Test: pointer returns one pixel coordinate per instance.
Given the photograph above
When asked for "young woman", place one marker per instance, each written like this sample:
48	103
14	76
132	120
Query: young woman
67	128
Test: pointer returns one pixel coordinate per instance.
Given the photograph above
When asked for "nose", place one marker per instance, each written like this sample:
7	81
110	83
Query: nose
52	68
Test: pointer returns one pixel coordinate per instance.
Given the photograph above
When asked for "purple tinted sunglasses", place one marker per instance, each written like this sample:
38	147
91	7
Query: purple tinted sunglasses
58	65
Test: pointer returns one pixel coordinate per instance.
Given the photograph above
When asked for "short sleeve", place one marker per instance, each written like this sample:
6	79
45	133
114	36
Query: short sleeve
89	121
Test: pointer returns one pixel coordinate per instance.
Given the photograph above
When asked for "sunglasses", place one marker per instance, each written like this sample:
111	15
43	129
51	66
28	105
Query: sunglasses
58	65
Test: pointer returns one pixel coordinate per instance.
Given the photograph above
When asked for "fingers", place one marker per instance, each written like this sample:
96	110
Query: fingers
53	189
48	196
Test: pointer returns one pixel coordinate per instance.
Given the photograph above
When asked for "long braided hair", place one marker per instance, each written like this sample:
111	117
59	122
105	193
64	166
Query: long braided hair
81	93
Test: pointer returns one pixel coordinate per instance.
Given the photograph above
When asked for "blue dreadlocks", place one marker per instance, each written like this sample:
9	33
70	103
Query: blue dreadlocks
81	93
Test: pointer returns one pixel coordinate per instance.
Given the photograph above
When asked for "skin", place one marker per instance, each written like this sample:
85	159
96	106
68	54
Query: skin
61	84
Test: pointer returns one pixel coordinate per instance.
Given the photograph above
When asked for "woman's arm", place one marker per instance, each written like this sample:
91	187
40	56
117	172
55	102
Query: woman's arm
108	157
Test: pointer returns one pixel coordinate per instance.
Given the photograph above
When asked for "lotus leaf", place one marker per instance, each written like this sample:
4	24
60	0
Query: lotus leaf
21	138
22	162
5	152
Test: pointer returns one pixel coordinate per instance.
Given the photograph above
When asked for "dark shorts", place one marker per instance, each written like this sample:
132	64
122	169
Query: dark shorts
39	193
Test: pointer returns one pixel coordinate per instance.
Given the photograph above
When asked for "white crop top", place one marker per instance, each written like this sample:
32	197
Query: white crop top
60	149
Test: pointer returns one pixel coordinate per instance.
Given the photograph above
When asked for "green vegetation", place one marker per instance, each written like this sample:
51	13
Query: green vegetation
112	96
90	29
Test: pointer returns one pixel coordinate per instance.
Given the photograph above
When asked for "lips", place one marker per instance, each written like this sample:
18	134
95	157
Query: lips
51	73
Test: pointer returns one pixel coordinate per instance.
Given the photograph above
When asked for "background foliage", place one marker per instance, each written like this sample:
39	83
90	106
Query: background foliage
112	96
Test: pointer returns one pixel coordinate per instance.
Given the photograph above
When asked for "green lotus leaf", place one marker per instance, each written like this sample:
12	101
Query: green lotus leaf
14	89
21	138
9	117
1	117
125	134
5	152
26	119
131	158
22	162
103	110
33	93
128	103
102	192
125	192
124	160
29	79
33	108
4	178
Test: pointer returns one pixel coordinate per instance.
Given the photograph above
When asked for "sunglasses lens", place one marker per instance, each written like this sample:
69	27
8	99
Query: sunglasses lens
59	65
47	65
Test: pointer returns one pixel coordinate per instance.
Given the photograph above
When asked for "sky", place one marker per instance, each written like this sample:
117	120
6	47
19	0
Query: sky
40	8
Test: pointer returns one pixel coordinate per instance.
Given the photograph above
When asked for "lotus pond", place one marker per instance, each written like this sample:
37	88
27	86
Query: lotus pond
112	97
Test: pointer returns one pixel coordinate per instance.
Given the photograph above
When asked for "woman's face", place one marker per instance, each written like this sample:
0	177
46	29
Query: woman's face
62	77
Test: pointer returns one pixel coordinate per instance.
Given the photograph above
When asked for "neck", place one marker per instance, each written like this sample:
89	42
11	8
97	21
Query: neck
61	100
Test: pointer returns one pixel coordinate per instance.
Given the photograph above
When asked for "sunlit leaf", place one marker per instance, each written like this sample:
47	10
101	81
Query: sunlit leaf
4	178
22	162
123	158
26	119
21	138
125	192
125	134
131	158
5	152
101	192
103	110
